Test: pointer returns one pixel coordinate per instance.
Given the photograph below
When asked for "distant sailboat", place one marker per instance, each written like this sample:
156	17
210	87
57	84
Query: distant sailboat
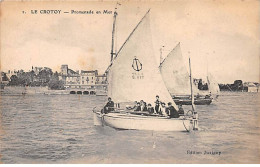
213	86
134	76
176	79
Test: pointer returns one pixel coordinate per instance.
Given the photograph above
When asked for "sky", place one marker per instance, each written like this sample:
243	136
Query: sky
221	37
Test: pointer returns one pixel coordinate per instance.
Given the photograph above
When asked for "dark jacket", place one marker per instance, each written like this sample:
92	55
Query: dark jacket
145	108
173	113
138	108
109	106
157	102
150	110
181	111
157	106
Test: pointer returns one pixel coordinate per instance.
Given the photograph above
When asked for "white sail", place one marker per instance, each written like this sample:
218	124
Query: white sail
212	85
134	75
175	74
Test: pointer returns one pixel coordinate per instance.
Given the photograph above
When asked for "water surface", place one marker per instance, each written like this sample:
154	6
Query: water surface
59	129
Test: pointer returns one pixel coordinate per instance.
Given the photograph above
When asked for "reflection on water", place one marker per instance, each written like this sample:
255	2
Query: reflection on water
59	129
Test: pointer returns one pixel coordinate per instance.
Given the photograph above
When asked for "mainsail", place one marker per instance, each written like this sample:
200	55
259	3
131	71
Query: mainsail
212	84
133	75
175	74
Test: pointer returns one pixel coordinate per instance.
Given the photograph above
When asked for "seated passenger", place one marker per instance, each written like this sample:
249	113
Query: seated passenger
138	107
144	107
150	109
163	109
173	113
109	106
181	111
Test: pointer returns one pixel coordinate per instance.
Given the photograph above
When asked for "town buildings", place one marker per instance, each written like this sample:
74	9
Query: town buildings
91	80
82	79
70	79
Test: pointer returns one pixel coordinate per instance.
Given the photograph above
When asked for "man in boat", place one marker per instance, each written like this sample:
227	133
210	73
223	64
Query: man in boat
163	110
143	106
173	113
138	107
150	109
181	111
157	104
109	106
198	96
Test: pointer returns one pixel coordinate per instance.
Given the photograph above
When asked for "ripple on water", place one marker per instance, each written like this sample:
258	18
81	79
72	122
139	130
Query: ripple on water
59	129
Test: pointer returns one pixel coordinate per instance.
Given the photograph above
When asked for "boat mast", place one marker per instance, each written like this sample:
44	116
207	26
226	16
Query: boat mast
194	112
113	33
208	74
192	97
161	58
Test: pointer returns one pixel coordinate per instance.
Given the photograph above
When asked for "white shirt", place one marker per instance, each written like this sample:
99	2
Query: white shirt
163	109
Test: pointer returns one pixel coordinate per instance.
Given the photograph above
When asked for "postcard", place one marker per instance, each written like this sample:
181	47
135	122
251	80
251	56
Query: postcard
140	82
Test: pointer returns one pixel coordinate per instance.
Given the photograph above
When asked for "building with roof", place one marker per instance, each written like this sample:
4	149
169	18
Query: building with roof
88	78
83	80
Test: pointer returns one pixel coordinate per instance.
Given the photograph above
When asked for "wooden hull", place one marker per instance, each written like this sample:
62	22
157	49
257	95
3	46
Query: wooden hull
196	102
141	122
185	100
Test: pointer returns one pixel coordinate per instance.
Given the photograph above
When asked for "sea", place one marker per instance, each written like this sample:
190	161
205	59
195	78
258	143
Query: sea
59	129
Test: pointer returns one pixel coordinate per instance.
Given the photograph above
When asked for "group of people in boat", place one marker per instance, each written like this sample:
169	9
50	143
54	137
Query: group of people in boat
159	109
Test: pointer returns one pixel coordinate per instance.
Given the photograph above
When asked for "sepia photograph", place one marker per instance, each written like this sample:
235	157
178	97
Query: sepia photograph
130	82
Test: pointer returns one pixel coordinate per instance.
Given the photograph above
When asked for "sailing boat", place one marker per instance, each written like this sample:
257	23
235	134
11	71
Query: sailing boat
213	85
176	79
133	75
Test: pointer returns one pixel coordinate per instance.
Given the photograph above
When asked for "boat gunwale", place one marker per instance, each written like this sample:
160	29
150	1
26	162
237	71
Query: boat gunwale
133	116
